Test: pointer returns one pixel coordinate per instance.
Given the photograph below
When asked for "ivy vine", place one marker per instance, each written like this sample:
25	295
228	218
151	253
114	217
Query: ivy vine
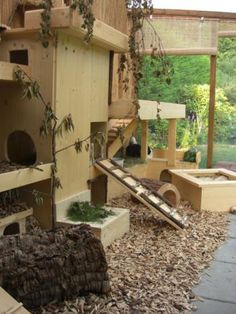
83	7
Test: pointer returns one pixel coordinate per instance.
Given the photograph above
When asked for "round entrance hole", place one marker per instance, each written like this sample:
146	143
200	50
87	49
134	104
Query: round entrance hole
21	149
11	229
165	176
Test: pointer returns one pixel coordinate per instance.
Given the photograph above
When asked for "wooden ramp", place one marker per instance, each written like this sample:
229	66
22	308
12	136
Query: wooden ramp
8	305
154	201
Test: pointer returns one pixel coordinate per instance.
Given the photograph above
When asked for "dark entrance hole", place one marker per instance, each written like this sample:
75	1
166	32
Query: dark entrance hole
21	148
13	228
19	57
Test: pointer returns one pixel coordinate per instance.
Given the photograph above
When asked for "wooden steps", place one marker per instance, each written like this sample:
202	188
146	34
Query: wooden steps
114	125
114	144
154	201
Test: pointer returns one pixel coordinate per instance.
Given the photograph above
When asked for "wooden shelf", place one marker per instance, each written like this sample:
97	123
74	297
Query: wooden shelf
7	71
22	177
15	217
148	110
71	22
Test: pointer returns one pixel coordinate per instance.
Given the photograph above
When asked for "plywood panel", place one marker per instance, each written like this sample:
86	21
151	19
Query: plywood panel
7	8
218	198
21	114
73	95
99	85
106	11
81	90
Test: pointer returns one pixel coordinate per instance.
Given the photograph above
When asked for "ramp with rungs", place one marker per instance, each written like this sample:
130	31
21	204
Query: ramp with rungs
8	305
154	201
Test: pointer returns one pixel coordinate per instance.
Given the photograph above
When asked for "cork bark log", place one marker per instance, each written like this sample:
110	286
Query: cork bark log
47	266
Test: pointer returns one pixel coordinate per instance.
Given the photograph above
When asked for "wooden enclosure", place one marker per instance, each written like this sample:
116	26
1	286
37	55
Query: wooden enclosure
206	189
74	78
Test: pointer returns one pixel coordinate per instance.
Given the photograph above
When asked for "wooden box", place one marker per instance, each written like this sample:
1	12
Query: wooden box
112	228
206	189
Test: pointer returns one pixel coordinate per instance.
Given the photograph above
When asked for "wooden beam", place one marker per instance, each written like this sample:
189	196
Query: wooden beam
171	111
194	13
117	144
71	22
227	33
148	110
211	115
144	140
122	109
184	51
21	177
172	142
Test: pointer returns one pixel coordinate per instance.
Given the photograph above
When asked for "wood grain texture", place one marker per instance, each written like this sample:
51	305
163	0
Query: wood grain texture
211	114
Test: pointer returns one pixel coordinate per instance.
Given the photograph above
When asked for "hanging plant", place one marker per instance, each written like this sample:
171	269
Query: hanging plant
46	32
84	7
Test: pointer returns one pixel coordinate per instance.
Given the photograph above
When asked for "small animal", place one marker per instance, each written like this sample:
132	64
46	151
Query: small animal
134	150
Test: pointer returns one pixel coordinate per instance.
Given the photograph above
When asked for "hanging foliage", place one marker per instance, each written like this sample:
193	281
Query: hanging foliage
84	7
140	11
46	32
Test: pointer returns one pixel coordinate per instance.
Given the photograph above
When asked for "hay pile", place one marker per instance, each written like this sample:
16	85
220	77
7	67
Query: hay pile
154	267
6	166
39	268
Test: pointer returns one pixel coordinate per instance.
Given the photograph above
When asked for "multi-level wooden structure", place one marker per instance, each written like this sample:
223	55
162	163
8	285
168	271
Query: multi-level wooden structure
81	79
75	78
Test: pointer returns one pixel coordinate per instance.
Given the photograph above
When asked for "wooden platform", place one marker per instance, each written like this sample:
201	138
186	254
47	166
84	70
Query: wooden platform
8	305
71	22
154	201
7	71
21	177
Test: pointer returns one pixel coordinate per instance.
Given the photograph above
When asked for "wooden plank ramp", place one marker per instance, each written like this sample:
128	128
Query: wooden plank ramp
8	305
154	201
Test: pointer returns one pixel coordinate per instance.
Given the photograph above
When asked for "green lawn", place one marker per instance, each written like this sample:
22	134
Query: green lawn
222	152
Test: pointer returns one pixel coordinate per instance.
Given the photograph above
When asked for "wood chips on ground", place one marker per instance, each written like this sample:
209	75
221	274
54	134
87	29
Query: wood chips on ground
153	268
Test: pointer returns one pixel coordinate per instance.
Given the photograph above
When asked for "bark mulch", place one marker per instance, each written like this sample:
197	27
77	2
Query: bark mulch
153	268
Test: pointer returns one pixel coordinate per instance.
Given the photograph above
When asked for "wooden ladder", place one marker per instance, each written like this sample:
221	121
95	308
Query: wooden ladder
154	201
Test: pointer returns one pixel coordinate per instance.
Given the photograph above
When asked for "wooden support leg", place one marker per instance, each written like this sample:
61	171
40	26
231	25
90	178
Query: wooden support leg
172	142
211	115
144	140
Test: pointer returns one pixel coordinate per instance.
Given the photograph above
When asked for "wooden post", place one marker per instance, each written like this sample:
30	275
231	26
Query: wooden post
211	114
144	140
172	142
